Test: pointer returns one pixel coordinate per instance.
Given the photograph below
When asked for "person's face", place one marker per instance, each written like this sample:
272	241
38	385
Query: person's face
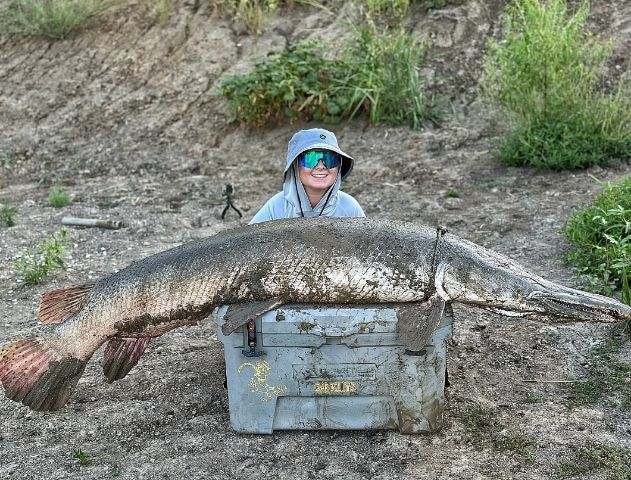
318	178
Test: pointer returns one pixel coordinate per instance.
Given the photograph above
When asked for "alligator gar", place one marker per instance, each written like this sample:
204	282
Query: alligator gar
257	268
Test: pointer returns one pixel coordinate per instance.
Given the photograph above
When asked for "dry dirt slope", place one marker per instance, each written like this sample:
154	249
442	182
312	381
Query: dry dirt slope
123	115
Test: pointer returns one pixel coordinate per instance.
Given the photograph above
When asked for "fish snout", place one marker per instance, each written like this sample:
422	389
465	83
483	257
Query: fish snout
578	305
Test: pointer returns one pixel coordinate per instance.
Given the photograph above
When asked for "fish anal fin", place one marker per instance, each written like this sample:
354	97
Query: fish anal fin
418	320
58	305
241	313
121	355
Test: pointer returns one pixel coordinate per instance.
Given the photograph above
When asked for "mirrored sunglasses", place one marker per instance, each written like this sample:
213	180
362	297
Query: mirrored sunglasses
311	158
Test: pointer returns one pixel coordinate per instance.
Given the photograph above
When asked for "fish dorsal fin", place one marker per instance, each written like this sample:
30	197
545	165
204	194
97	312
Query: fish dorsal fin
418	320
241	313
121	355
60	304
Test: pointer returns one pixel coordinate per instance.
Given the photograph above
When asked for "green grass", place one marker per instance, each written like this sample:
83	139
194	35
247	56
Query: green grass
377	74
600	239
162	9
33	265
54	19
254	14
452	193
543	80
57	197
483	428
607	379
7	215
612	461
80	456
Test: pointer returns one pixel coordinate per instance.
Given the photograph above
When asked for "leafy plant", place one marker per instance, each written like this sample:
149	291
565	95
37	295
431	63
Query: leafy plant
33	265
600	236
543	79
54	19
377	74
7	215
57	197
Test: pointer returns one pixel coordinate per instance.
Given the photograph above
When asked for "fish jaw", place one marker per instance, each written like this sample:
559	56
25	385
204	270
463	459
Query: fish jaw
521	293
578	305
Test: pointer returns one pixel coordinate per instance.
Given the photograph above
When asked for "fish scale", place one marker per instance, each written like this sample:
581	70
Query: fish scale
256	268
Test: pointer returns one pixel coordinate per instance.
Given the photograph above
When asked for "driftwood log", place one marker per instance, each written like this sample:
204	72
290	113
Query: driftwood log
92	222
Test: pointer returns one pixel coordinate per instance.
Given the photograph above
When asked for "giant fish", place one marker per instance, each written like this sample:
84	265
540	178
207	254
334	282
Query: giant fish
260	267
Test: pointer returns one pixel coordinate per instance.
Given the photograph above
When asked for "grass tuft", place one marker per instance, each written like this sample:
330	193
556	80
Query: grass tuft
80	456
57	197
484	428
614	461
33	265
54	19
377	75
607	378
600	236
254	14
7	215
543	79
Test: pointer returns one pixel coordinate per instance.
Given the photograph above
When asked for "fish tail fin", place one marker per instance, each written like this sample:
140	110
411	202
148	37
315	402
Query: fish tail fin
121	355
60	304
38	375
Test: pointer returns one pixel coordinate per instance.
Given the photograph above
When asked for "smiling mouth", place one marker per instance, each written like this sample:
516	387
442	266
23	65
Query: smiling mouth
319	175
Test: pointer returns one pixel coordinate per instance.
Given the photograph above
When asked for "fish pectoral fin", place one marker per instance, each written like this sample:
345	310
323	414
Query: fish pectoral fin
418	320
121	355
58	305
241	313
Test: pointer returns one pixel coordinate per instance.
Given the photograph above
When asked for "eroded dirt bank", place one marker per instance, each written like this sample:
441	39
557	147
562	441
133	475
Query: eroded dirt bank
122	115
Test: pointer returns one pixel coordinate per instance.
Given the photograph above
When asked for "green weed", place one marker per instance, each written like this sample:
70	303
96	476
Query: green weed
543	78
57	197
80	456
33	265
254	14
600	236
607	378
377	74
378	8
54	19
162	9
452	193
613	461
7	215
483	427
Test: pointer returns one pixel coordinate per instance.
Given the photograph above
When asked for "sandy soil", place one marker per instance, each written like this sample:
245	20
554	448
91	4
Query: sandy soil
123	116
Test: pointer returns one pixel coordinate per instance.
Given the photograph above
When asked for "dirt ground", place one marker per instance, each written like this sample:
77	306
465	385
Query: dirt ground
123	115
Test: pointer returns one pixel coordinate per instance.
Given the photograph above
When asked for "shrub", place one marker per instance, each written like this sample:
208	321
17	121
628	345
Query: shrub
600	237
34	264
57	197
54	19
376	74
7	215
543	78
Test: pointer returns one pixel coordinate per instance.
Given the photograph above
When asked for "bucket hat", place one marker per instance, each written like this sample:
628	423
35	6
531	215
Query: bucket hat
312	138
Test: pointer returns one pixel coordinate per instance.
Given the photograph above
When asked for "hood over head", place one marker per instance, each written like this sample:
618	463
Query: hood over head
314	138
297	201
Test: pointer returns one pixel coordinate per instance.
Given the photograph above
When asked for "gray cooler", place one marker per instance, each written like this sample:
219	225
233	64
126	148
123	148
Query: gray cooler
333	368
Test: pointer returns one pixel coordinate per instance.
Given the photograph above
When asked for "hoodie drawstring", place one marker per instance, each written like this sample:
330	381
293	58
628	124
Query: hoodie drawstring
302	213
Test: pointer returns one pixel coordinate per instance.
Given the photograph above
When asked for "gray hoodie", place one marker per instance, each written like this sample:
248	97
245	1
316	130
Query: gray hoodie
293	200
